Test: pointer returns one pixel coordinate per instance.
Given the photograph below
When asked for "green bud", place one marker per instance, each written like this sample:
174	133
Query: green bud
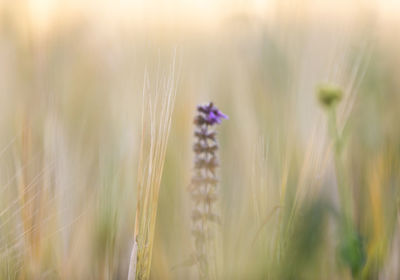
329	95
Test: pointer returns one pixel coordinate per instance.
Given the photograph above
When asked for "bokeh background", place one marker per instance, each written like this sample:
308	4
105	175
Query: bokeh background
71	81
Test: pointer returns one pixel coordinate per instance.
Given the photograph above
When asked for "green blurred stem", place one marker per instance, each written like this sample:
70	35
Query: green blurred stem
343	187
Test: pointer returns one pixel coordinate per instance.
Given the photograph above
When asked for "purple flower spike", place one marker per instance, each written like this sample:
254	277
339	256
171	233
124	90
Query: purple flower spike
203	188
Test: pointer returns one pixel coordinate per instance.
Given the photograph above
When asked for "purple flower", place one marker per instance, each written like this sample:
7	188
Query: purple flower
210	114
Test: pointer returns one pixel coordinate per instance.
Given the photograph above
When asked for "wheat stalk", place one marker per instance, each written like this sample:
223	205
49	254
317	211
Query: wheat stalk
158	106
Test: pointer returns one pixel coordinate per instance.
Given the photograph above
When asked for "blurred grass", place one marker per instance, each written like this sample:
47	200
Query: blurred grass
70	102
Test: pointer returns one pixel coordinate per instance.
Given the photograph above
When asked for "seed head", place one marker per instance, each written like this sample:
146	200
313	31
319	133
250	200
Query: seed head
329	95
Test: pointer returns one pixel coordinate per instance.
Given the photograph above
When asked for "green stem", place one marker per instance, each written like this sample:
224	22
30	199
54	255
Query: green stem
344	190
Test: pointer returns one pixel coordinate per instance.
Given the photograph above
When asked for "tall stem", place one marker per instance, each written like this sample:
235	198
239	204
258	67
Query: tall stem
343	186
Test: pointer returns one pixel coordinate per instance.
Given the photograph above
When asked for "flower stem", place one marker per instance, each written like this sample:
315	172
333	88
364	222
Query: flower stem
344	190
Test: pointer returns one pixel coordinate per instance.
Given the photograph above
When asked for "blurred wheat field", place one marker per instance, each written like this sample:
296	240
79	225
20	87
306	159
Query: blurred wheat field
97	102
